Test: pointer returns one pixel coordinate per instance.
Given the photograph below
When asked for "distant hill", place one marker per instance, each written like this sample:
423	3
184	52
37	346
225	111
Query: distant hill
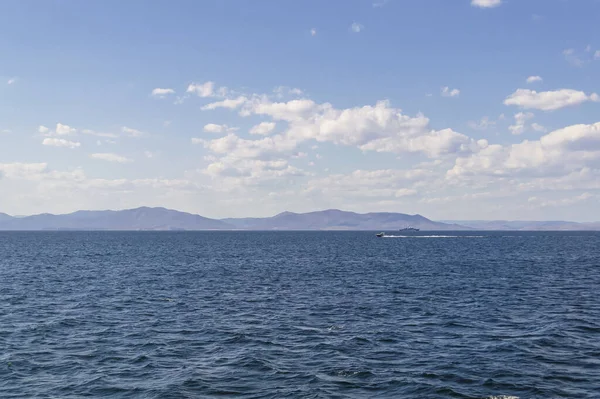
334	219
516	225
145	218
132	219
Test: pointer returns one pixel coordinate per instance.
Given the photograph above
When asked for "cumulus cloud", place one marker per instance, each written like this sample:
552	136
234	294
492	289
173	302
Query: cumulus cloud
282	91
573	58
559	152
263	149
575	138
379	128
36	172
230	103
11	81
263	128
99	134
313	32
43	129
367	184
542	202
548	100
110	157
132	132
206	89
447	92
486	3
356	27
537	127
251	171
214	128
161	93
63	130
54	142
533	79
520	122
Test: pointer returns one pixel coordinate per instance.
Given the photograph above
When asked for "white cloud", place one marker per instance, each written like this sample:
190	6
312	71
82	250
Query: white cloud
37	172
368	184
99	134
356	27
597	55
520	123
43	129
206	89
227	103
576	138
313	32
161	93
294	110
548	100
537	127
63	130
533	79
447	92
149	154
214	128
263	128
380	3
18	170
11	81
110	157
573	58
559	152
541	202
486	3
378	128
405	192
54	142
236	147
250	172
132	132
282	91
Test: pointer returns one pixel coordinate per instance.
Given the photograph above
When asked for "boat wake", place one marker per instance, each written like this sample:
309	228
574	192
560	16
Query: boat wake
433	236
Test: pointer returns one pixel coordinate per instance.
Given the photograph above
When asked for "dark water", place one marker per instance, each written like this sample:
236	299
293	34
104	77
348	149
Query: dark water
299	315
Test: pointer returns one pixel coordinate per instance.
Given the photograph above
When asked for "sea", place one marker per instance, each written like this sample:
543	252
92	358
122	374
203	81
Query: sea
299	315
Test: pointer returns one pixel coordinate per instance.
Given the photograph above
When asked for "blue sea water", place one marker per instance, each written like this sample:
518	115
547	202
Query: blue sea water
299	315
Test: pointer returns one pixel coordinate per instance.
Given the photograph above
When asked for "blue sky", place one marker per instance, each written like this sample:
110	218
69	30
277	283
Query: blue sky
463	109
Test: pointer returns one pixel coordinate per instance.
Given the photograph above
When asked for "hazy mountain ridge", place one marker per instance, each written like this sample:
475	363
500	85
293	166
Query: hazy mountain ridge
145	218
4	217
333	219
164	219
131	219
517	225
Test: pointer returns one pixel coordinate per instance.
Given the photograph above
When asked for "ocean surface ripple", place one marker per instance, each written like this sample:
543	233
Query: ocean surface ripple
299	315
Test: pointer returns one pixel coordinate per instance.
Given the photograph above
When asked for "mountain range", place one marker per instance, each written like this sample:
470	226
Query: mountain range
145	218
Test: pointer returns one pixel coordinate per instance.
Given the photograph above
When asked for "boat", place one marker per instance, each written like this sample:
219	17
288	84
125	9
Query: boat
380	234
409	228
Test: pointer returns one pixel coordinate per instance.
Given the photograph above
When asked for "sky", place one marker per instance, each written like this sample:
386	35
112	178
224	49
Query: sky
462	109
